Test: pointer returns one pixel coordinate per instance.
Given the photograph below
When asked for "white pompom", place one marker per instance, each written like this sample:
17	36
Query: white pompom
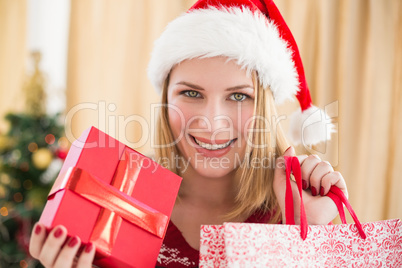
310	127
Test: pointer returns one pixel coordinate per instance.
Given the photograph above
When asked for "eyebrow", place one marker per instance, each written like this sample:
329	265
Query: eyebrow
228	89
189	85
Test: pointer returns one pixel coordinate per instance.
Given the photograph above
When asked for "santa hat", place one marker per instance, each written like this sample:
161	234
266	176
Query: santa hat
254	34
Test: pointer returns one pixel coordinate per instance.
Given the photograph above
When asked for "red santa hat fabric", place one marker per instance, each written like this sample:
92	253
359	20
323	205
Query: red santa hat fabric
255	35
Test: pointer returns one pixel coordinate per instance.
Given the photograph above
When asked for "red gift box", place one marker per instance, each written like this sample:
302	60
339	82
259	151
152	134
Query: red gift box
118	199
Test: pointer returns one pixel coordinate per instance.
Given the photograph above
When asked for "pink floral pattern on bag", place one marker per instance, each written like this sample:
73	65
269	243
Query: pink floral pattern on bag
271	245
213	249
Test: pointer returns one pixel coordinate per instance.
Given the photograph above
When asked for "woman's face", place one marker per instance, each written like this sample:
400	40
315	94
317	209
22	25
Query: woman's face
211	103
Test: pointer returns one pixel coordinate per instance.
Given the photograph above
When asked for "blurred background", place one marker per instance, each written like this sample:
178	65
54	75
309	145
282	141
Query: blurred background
67	64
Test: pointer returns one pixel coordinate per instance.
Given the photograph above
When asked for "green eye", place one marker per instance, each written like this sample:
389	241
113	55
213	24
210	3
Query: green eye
238	97
192	93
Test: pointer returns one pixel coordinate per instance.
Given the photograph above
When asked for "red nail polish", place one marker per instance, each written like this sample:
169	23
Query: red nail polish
304	183
73	241
322	191
89	248
58	232
38	229
313	191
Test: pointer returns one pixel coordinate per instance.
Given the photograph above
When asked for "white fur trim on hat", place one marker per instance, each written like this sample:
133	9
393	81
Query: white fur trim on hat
310	126
237	33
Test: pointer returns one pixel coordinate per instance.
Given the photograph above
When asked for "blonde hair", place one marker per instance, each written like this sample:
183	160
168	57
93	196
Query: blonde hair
255	184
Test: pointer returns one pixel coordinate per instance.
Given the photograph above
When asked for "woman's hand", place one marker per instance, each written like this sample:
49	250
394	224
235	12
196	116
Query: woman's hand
318	177
54	250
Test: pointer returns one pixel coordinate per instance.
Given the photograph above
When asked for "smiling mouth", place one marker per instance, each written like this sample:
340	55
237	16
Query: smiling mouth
213	147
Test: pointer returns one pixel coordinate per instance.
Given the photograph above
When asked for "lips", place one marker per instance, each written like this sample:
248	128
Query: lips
211	146
212	149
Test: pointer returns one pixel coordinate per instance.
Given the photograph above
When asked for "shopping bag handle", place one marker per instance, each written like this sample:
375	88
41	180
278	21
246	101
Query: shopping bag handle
339	198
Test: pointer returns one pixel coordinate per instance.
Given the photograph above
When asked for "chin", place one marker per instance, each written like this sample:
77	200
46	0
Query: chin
213	167
214	173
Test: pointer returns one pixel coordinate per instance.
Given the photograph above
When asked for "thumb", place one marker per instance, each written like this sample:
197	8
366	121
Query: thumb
290	151
280	161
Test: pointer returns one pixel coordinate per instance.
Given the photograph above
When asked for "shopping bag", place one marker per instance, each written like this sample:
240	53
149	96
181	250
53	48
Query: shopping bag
372	244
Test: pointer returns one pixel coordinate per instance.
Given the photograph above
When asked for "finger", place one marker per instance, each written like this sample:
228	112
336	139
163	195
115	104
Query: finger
334	178
321	169
87	256
307	168
38	237
52	246
68	252
301	158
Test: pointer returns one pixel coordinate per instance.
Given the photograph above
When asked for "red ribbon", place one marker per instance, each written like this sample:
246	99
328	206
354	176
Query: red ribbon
340	199
293	166
115	202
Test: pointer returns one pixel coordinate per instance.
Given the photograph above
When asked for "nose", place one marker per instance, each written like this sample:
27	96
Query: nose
217	116
220	121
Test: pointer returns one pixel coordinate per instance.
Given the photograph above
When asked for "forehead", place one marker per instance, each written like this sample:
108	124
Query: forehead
216	71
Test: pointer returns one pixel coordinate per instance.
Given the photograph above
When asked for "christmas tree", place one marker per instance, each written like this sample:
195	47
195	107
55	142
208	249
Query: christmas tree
31	154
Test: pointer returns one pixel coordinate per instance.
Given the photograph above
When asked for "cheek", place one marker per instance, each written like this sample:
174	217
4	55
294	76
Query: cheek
245	121
180	117
176	121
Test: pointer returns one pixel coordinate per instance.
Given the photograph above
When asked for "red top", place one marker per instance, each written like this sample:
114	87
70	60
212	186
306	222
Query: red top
176	252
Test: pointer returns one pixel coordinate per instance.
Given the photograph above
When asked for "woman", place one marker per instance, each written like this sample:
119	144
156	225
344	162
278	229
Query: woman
221	68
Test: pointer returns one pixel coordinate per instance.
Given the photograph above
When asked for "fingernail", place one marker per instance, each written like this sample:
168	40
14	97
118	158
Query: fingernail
89	248
322	191
73	241
288	148
313	191
38	229
304	183
58	232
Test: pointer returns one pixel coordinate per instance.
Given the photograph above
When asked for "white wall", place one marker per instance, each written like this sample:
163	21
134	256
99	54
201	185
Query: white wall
48	24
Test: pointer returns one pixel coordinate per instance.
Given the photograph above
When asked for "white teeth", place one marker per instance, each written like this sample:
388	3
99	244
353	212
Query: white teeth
213	146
